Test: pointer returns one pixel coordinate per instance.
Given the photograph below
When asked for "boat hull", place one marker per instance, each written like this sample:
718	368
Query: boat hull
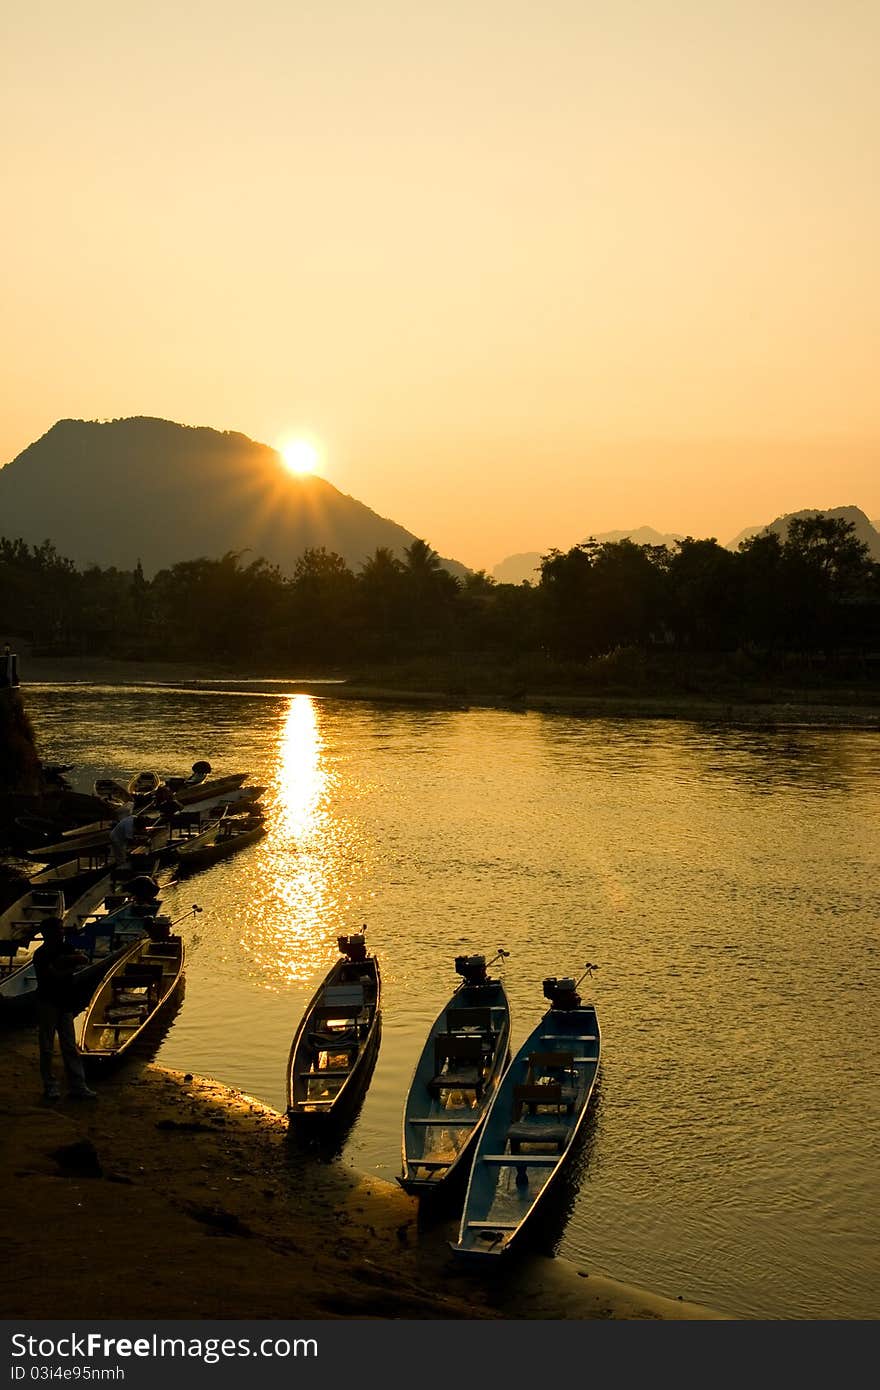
209	849
527	1138
441	1125
334	1050
117	1017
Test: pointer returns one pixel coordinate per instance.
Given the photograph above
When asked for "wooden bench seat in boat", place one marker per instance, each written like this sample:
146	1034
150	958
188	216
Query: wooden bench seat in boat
570	1037
493	1225
520	1160
343	996
535	1109
451	1121
556	1068
336	1027
321	1072
471	1020
141	978
458	1063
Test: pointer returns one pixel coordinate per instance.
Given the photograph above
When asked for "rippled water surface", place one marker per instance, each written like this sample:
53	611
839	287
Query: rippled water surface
725	880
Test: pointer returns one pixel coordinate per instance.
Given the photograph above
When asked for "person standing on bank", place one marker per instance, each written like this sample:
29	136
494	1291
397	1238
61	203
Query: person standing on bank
54	963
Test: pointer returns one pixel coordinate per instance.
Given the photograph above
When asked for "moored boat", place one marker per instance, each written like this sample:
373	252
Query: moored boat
207	798
73	876
102	939
21	922
532	1124
102	922
112	792
224	837
455	1079
144	783
134	993
192	793
334	1048
93	837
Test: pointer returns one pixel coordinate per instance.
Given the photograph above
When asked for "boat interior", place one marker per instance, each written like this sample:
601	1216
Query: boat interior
338	1028
130	995
464	1059
464	1053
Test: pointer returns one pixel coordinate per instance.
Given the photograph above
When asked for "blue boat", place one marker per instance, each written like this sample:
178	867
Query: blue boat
455	1079
532	1124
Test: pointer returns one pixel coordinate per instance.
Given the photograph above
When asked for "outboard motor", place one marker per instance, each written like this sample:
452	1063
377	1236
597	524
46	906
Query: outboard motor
472	970
159	929
354	946
562	993
143	888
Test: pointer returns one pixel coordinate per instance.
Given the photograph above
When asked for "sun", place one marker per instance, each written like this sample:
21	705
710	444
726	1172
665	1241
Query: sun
300	456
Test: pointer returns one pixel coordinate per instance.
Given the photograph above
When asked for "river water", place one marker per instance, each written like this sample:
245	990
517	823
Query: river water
724	879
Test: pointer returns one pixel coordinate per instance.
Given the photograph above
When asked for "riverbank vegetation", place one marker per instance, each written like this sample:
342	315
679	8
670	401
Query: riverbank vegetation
611	618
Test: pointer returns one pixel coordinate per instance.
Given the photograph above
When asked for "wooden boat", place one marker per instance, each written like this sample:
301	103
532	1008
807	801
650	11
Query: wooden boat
30	821
143	783
103	938
103	922
111	791
334	1049
21	922
455	1079
82	841
190	794
138	894
136	990
96	836
531	1125
73	876
222	838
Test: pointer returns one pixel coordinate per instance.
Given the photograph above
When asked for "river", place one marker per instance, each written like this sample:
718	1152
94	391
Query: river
724	879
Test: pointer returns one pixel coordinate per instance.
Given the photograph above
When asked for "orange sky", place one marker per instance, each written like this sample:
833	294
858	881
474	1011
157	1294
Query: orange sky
526	271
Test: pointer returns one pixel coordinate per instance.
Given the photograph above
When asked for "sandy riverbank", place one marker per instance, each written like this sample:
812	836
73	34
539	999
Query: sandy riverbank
197	1204
813	708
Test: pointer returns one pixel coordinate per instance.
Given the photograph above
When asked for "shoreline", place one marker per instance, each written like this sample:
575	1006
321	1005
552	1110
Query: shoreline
811	708
174	1196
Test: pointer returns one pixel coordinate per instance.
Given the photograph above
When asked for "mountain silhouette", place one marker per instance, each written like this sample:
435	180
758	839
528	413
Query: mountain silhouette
865	531
119	491
518	568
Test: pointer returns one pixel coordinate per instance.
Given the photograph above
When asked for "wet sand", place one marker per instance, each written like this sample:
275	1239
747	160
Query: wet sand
173	1196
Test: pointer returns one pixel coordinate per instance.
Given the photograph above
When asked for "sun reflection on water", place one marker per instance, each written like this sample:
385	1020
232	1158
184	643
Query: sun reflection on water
293	937
302	777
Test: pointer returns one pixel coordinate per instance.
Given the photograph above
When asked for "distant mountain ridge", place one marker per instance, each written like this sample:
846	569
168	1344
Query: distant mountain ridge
866	531
115	492
516	569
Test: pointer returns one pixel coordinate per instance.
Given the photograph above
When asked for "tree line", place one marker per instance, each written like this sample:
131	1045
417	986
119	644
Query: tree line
815	591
